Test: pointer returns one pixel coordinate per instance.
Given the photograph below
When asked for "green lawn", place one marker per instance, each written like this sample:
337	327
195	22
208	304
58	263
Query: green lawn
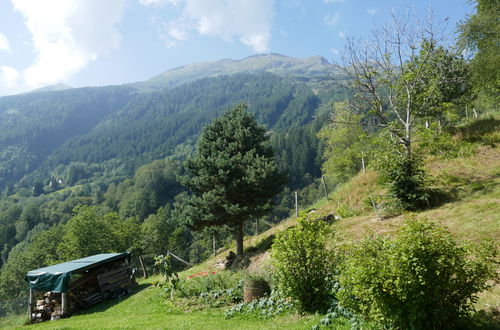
145	309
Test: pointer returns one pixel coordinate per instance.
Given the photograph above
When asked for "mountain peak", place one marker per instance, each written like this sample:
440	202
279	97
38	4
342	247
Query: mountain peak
306	70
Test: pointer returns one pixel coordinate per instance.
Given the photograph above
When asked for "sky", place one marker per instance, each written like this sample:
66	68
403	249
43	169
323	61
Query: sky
111	42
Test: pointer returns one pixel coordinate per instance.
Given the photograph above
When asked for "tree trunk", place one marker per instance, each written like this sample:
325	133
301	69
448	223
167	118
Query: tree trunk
238	235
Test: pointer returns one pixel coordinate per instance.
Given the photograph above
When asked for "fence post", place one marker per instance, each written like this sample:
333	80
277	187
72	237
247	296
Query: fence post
30	304
324	187
64	303
143	268
296	205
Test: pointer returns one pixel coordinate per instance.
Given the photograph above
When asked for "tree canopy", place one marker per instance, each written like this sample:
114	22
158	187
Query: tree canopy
232	176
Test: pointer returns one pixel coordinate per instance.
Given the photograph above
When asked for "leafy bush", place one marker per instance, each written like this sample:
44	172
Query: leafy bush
266	307
201	283
303	266
207	288
420	279
406	179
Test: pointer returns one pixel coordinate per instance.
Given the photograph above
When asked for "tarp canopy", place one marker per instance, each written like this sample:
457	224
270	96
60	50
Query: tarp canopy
56	278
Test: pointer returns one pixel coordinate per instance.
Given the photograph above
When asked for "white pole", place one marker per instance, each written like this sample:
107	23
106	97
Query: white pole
296	205
363	161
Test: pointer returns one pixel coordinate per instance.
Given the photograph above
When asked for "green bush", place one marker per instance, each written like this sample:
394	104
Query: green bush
303	266
406	180
420	279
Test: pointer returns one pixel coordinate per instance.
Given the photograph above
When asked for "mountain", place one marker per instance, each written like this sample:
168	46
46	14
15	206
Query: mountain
123	127
312	70
52	88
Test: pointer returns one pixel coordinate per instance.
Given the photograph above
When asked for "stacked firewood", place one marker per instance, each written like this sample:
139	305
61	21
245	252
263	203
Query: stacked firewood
116	281
87	289
47	308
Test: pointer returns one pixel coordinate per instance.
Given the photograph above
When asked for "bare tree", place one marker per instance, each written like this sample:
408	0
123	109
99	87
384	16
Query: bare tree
388	70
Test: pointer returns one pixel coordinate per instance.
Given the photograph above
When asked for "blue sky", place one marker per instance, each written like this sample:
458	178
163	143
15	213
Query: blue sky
107	42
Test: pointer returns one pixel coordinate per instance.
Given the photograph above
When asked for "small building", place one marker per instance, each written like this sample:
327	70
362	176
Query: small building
61	289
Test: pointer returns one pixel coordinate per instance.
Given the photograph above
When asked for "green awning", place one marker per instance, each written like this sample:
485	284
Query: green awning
56	278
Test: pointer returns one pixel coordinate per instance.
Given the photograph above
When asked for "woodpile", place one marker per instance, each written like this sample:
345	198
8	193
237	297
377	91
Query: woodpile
47	308
226	263
87	289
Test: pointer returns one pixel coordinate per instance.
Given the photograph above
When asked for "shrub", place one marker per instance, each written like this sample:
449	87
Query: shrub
206	282
303	266
420	279
406	179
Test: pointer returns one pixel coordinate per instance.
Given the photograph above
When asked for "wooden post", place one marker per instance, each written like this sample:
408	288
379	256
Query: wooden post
257	226
213	244
30	305
143	268
363	161
296	205
64	303
324	187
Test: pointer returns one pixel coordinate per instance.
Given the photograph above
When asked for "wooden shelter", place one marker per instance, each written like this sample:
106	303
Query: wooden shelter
78	284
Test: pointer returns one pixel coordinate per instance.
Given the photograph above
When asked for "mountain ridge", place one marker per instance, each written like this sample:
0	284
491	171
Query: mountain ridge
310	70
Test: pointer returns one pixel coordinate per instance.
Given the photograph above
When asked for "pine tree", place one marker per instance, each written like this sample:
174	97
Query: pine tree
232	176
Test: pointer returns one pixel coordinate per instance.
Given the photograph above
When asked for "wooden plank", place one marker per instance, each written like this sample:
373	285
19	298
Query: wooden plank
112	278
112	272
111	287
77	299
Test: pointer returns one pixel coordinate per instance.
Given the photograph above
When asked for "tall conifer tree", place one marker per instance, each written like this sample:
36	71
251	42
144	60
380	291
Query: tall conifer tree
232	176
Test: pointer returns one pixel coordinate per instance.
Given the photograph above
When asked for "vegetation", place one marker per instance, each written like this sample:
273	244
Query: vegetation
420	279
303	266
232	176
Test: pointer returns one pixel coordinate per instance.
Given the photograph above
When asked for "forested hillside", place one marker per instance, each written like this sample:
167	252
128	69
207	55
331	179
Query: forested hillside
70	156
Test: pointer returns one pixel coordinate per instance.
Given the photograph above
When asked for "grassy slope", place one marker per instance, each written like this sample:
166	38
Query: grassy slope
471	213
147	310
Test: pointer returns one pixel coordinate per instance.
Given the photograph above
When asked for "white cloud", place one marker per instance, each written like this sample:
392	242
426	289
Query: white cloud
335	51
157	3
248	21
4	43
67	35
372	11
342	35
9	77
332	19
328	1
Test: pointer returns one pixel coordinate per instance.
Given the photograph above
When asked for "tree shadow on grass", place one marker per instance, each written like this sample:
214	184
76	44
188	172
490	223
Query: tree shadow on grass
484	320
106	304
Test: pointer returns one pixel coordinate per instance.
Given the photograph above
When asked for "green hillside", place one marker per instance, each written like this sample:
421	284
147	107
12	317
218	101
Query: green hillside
471	215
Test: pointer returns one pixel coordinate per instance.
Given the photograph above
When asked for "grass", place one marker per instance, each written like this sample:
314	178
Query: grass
146	309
